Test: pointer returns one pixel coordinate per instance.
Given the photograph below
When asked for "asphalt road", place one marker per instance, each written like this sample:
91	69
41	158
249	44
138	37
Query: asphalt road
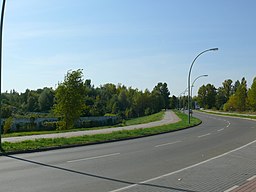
135	165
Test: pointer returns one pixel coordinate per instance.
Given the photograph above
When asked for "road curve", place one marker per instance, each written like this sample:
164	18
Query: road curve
194	159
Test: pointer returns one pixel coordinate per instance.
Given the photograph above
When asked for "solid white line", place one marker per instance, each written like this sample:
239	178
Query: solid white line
221	129
204	135
186	168
90	158
232	188
167	144
253	177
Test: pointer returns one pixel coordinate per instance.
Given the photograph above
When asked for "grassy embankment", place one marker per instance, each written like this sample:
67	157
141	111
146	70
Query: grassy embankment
240	115
40	144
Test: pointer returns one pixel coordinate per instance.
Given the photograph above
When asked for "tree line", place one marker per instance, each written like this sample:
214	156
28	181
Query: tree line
78	97
231	96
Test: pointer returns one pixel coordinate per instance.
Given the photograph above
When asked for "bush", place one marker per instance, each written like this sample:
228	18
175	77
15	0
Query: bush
7	125
49	125
61	125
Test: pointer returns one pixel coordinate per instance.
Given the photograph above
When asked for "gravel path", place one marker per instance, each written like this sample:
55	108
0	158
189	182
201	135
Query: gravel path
169	117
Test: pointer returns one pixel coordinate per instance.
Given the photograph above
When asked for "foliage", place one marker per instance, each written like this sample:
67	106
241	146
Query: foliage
7	125
252	96
207	96
229	97
69	97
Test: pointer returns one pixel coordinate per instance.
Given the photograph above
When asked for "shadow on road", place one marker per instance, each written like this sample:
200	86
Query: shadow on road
95	176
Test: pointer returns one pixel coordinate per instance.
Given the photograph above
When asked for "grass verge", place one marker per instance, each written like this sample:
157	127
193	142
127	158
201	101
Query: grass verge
247	116
147	119
43	144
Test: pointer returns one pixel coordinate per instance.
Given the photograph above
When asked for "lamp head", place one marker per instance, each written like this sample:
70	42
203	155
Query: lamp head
214	49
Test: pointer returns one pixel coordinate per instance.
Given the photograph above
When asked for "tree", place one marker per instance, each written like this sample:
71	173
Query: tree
207	96
70	98
32	102
173	102
227	89
162	90
45	99
235	87
237	102
201	99
241	95
220	98
252	96
231	105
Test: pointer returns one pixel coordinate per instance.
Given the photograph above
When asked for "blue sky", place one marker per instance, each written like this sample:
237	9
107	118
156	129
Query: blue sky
137	43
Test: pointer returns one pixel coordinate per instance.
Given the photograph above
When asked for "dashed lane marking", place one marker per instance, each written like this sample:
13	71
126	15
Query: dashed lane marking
161	145
96	157
200	136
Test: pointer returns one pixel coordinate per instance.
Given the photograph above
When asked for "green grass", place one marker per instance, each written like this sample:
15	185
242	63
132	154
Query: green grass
232	114
140	120
82	140
147	119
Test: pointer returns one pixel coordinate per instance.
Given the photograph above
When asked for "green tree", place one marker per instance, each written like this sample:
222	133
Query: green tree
252	96
220	98
207	96
161	90
173	102
235	87
241	94
32	102
227	88
201	99
46	99
231	105
70	98
237	102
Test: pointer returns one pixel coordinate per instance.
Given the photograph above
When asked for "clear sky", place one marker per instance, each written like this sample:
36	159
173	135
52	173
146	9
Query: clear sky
137	43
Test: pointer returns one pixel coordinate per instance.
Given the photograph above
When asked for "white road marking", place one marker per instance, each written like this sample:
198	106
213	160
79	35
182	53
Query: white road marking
231	189
161	145
220	130
228	123
184	169
253	177
204	135
91	158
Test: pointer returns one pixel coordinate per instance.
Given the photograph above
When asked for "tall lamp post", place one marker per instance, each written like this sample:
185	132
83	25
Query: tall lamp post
1	52
189	74
182	93
194	83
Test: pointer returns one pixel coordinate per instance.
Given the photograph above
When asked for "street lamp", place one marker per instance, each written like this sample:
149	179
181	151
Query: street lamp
1	52
182	93
194	83
189	74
